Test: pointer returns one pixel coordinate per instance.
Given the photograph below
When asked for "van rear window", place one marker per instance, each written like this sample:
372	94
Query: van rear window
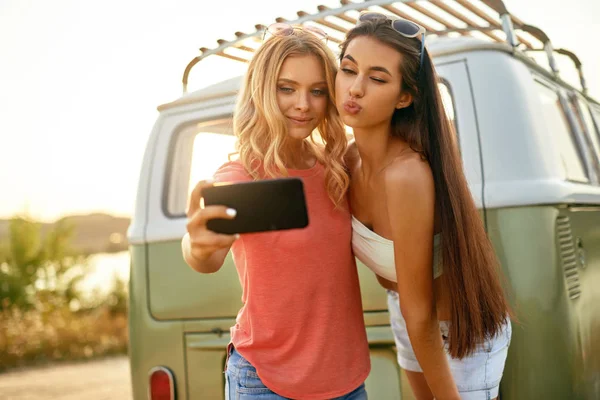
559	131
590	129
596	115
199	150
448	101
449	106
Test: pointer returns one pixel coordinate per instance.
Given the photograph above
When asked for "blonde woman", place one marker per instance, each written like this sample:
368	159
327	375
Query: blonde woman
300	333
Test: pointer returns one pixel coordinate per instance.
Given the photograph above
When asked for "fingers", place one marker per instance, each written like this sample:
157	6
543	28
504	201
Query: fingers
212	212
204	242
197	222
196	195
202	247
212	242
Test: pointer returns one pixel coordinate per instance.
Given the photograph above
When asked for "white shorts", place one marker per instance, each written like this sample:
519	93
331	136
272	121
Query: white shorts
476	376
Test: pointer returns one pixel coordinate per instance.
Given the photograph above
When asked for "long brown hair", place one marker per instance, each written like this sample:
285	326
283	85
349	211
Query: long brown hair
471	269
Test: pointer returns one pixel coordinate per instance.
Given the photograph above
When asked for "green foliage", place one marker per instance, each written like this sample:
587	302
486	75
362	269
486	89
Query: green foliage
36	269
118	298
43	318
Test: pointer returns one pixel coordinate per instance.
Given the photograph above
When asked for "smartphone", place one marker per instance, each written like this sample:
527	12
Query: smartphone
265	205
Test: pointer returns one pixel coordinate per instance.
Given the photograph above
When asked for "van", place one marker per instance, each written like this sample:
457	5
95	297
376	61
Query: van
530	144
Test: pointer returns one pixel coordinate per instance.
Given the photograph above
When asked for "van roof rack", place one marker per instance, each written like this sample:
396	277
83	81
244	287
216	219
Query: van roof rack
484	18
547	47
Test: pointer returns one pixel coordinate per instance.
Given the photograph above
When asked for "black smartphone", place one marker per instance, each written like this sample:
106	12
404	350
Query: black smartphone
265	205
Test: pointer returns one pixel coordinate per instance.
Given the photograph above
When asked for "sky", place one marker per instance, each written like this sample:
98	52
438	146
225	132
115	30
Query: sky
80	81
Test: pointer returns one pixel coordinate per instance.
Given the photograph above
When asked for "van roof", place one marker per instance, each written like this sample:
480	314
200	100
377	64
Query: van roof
226	88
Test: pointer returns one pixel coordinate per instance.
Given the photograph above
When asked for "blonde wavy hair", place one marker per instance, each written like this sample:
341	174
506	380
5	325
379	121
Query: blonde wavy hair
260	125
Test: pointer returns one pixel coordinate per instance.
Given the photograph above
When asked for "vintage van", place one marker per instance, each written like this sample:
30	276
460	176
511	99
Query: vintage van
530	144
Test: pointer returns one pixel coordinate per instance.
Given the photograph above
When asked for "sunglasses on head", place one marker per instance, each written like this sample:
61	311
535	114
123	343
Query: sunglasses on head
403	26
284	29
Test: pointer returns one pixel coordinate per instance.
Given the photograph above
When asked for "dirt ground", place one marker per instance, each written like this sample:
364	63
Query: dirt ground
106	379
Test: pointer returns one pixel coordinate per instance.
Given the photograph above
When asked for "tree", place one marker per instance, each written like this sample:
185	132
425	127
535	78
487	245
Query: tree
36	269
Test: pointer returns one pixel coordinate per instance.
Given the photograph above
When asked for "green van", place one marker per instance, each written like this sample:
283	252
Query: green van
531	149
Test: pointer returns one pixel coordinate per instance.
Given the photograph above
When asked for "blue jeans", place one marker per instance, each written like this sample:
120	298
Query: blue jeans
242	383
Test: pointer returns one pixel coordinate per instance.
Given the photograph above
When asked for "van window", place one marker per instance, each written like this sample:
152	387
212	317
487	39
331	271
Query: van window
448	102
199	150
559	131
596	114
449	107
588	122
585	127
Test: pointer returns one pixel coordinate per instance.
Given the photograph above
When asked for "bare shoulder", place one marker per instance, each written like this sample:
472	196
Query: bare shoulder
410	197
409	175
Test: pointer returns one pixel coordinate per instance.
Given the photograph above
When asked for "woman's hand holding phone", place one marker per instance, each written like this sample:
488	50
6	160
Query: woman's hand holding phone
203	249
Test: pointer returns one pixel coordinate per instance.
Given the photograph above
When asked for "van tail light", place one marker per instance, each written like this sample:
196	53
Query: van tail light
161	384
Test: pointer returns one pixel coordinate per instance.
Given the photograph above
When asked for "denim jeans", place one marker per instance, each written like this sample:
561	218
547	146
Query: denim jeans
242	383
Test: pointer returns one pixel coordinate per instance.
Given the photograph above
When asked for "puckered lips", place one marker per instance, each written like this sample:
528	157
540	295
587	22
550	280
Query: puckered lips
352	107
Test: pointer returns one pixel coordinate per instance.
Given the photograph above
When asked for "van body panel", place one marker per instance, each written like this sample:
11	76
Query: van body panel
585	231
506	123
221	326
151	343
454	71
205	363
136	233
179	292
374	299
220	90
555	325
539	192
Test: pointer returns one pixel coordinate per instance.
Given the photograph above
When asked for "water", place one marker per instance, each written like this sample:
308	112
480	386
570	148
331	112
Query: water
103	268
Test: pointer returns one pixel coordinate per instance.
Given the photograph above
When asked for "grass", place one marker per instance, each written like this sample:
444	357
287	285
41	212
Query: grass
36	337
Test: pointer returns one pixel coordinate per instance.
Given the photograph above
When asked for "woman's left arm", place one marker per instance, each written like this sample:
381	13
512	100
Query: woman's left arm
410	197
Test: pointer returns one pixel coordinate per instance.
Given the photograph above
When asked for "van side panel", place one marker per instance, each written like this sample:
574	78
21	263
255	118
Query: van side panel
585	227
552	353
515	144
179	292
151	343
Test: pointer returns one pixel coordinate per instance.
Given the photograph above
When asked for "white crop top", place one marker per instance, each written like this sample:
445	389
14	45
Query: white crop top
377	252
